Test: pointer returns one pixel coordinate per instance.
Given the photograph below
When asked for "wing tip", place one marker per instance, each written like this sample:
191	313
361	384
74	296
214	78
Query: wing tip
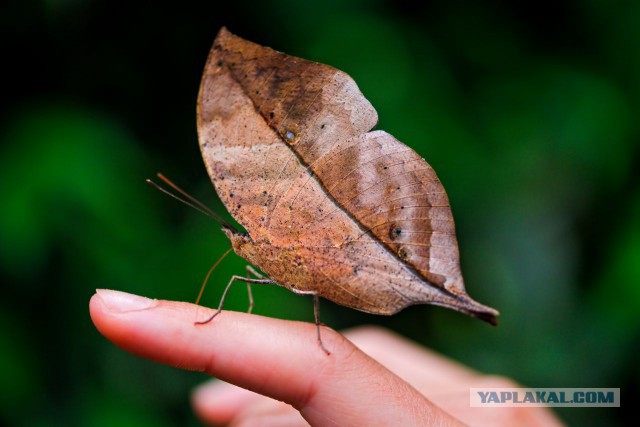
489	317
463	303
480	311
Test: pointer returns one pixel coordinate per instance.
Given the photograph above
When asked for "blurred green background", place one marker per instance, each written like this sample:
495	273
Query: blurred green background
527	110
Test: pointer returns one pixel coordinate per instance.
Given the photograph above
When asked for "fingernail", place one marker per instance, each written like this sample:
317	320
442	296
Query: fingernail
122	302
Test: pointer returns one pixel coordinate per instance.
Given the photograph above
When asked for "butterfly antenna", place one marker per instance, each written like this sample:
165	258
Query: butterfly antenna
206	279
189	200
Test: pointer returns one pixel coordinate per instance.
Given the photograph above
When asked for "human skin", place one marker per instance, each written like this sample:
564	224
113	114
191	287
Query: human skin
274	372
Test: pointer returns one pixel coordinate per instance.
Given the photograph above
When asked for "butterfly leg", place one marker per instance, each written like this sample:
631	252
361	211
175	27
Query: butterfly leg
254	272
316	314
226	291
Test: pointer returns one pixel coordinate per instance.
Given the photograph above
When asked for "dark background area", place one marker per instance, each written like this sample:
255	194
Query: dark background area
528	111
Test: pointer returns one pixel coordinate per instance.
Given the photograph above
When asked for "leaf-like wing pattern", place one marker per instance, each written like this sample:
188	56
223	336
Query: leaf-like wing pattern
330	207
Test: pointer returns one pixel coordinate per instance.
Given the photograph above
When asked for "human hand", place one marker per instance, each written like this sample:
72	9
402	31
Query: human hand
372	377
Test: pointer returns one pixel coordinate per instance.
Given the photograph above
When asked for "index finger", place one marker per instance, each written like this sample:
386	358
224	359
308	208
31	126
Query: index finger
276	358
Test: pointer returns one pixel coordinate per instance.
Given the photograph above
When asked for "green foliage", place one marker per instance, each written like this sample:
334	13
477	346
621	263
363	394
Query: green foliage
527	111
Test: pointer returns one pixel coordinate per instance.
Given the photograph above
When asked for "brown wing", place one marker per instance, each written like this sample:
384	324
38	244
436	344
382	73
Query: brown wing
286	145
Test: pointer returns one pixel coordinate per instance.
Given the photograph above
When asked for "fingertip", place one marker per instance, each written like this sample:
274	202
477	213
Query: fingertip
95	305
106	307
97	311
